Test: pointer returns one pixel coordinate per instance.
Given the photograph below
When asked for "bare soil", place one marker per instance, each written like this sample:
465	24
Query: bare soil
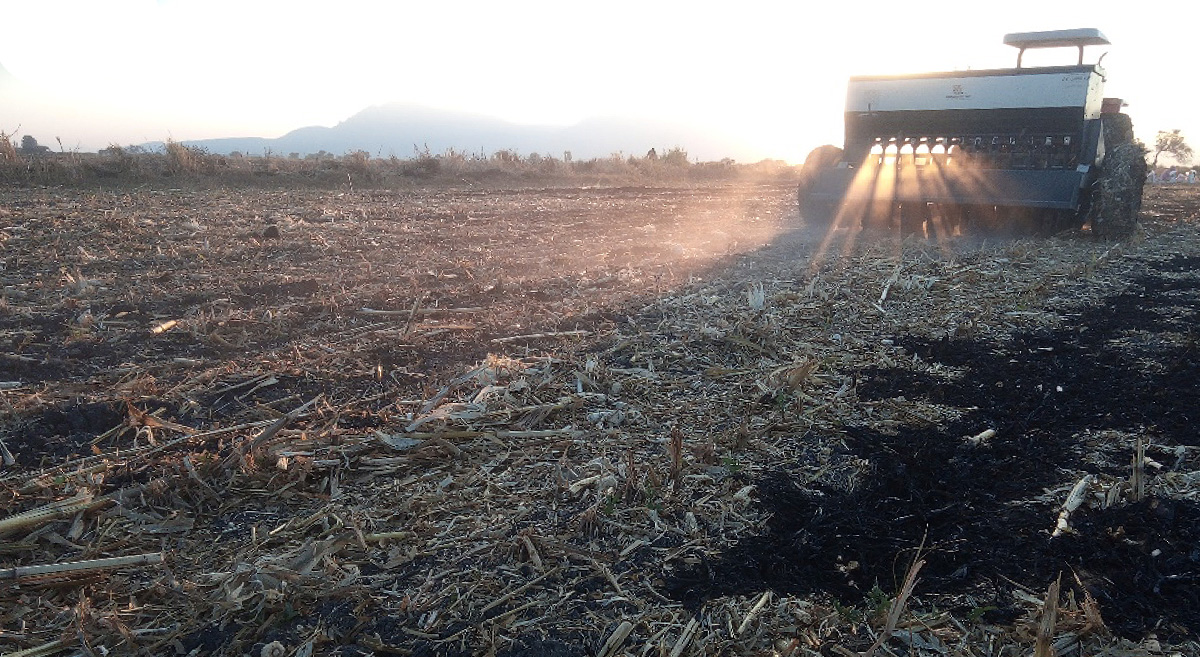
469	421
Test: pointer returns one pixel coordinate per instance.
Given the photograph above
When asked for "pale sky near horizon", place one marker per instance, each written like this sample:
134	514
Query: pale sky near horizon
771	74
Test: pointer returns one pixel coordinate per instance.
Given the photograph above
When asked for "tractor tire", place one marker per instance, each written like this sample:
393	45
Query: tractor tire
1118	129
1117	195
819	213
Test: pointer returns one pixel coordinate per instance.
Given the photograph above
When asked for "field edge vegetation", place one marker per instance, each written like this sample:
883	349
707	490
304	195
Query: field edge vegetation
178	163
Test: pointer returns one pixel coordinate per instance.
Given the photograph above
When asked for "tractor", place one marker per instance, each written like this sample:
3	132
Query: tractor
1021	149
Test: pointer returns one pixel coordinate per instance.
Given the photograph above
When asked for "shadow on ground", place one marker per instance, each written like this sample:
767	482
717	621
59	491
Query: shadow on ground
1062	401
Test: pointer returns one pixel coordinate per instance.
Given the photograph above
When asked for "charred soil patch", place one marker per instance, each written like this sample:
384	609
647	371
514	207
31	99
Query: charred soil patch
1060	401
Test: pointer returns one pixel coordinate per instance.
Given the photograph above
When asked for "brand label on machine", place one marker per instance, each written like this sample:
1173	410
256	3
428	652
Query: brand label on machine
957	92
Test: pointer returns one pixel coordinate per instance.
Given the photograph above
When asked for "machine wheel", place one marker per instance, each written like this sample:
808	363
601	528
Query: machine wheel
815	212
1117	194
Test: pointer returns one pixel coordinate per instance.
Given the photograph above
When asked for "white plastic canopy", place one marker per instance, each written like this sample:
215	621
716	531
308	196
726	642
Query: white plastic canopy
1078	38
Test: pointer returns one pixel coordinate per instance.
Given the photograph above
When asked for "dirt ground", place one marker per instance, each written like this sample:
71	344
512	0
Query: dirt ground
664	421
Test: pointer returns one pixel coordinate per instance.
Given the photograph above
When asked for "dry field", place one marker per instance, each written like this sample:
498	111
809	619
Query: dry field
588	421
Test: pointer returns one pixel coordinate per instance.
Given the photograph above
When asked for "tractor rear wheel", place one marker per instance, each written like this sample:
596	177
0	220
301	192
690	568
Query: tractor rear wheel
1117	194
820	213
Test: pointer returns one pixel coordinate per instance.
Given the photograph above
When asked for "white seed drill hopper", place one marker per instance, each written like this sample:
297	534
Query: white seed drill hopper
1023	148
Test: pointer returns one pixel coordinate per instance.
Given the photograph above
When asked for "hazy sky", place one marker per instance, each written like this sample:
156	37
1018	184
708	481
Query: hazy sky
771	73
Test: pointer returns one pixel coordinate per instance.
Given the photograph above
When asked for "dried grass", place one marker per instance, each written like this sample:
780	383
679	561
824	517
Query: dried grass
193	165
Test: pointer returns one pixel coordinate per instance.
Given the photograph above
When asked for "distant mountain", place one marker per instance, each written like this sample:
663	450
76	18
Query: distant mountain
403	129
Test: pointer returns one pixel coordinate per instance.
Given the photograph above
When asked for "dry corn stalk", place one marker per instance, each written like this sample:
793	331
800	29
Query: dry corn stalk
1043	645
580	333
1074	499
1114	492
756	297
268	433
631	490
1093	622
897	608
91	565
51	648
685	637
675	451
8	458
887	286
50	512
615	640
754	612
982	437
791	377
1137	483
164	326
519	590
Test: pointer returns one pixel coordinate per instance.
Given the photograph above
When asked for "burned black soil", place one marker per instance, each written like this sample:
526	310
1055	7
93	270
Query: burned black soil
61	431
1062	401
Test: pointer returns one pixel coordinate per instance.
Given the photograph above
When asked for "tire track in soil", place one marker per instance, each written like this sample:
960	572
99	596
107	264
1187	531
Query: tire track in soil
1130	365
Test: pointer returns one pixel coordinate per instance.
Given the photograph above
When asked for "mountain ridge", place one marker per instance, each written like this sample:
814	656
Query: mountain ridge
406	129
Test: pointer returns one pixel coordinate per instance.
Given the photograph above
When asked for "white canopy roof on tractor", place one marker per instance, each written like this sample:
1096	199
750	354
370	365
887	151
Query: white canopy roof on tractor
1088	36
